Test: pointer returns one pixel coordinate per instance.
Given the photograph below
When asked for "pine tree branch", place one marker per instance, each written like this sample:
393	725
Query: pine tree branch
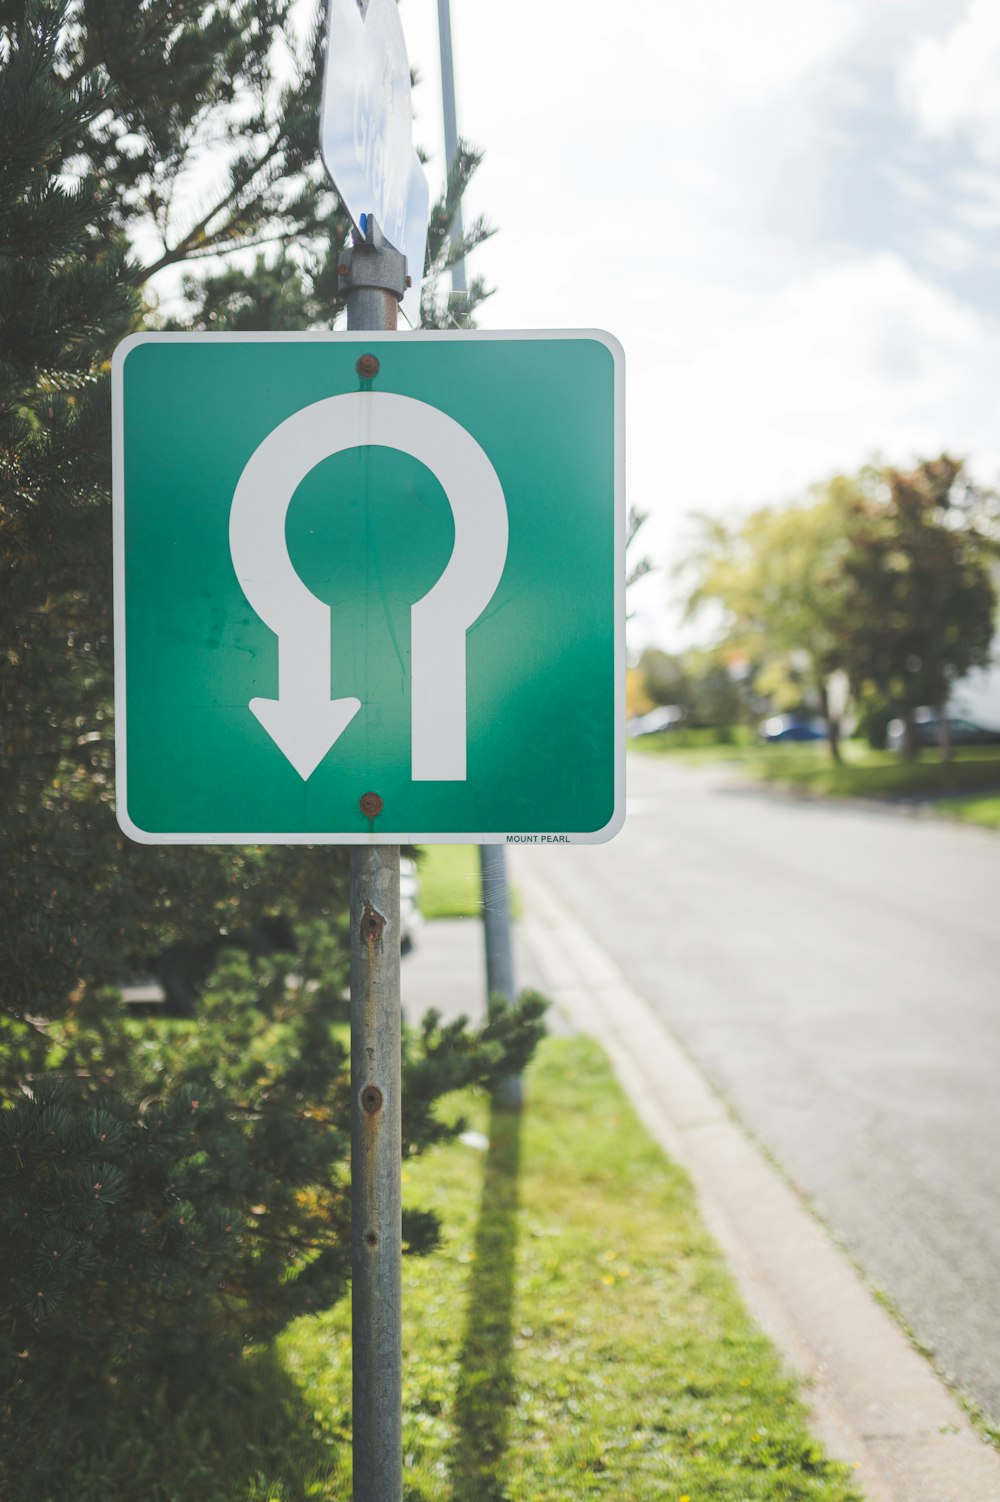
302	1243
283	237
187	247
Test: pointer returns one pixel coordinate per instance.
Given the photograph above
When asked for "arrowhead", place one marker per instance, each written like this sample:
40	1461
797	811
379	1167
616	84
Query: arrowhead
304	731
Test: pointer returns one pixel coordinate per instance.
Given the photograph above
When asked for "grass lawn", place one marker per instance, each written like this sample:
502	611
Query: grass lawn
450	883
984	811
865	773
576	1334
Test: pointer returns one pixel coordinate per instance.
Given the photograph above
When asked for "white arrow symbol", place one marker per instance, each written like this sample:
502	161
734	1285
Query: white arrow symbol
304	722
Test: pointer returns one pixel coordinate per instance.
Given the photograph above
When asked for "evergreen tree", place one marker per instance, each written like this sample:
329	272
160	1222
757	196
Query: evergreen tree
65	298
166	1195
120	102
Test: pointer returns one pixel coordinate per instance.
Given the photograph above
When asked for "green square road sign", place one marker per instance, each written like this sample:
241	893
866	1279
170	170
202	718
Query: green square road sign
336	579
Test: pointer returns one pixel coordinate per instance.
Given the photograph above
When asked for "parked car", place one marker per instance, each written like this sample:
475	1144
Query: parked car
927	728
410	916
790	727
658	719
178	975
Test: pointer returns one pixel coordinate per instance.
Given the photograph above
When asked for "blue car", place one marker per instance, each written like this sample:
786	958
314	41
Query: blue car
787	727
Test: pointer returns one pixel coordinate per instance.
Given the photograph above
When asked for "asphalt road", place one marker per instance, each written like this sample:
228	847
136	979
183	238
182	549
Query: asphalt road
835	972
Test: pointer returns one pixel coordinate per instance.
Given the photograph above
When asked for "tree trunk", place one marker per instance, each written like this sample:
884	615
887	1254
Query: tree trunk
832	725
944	734
911	748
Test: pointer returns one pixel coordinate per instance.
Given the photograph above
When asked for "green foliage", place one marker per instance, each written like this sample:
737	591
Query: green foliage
861	773
700	683
705	745
122	105
982	811
864	773
635	568
438	309
170	1191
917	586
442	1058
577	1333
60	302
777	577
880	580
106	110
174	1193
664	678
450	882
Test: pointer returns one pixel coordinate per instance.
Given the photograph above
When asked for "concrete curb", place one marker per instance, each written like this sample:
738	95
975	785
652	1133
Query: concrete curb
876	1403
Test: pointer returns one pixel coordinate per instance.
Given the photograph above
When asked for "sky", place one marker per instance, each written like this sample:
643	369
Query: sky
788	213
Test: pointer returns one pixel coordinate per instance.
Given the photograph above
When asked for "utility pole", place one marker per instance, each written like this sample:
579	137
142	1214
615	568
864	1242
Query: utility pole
492	858
458	282
373	275
500	978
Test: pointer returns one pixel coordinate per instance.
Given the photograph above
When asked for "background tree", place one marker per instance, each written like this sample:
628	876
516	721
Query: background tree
918	589
664	677
718	701
635	568
776	579
698	682
881	580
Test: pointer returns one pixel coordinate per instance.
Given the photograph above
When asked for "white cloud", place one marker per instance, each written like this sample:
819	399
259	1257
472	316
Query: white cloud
785	388
640	162
949	83
614	109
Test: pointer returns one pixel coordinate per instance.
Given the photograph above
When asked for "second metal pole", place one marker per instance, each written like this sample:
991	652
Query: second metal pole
450	129
497	931
493	859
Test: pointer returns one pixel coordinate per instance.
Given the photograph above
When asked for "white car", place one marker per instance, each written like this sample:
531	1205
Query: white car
410	916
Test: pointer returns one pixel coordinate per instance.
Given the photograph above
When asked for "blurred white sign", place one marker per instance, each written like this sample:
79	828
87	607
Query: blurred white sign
366	131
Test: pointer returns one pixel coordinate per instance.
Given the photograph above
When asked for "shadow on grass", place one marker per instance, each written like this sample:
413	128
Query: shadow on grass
486	1386
250	1436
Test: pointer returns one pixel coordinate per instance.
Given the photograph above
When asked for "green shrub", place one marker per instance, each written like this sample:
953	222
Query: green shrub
173	1192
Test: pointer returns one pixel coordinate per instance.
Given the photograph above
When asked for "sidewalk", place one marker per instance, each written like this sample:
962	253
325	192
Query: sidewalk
446	970
876	1402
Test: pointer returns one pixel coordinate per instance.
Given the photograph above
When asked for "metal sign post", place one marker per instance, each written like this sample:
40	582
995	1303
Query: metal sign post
376	1188
373	275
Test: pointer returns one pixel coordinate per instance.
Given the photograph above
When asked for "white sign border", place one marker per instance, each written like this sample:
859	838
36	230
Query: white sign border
380	836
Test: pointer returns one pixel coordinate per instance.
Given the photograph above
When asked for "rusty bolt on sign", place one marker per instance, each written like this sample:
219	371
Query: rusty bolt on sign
367	367
370	803
371	1099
